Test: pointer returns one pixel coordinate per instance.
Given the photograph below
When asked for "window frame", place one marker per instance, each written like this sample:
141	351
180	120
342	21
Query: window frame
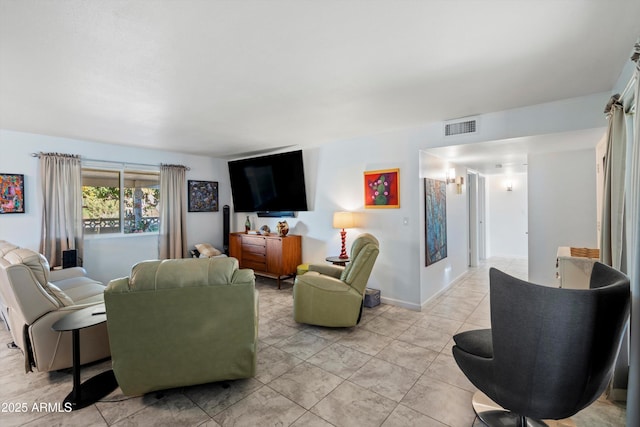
122	169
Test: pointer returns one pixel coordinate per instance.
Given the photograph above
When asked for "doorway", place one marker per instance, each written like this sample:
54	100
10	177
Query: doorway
472	200
482	218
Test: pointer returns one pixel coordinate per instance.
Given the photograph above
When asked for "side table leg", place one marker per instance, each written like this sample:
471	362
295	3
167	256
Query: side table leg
76	393
95	388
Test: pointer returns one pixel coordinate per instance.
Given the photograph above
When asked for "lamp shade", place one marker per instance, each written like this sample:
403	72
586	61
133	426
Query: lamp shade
343	220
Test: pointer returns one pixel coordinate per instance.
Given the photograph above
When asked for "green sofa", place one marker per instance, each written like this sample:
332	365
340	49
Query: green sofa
332	296
181	322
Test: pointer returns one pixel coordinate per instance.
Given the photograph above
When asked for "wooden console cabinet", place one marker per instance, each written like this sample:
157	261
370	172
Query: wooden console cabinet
270	255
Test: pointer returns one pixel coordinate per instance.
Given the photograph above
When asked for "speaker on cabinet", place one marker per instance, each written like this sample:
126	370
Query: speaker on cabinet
226	228
69	258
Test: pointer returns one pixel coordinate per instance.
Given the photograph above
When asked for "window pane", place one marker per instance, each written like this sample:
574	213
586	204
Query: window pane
101	201
141	195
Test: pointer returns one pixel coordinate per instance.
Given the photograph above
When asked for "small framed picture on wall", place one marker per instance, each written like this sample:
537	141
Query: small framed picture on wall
11	193
202	196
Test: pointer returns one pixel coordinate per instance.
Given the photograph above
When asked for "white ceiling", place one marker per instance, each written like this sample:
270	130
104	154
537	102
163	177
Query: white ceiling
224	77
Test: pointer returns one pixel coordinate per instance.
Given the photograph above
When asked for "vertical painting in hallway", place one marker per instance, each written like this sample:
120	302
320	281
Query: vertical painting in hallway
435	208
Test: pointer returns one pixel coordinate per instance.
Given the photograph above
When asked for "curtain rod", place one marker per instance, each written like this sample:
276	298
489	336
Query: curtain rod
111	161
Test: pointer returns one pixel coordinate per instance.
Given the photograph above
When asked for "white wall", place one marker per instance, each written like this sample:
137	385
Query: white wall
507	220
334	176
437	276
109	257
562	208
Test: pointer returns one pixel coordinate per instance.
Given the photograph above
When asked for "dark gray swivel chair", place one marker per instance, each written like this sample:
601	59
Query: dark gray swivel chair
550	352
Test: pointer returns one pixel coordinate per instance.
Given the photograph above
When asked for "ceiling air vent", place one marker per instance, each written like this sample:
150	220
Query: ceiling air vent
460	127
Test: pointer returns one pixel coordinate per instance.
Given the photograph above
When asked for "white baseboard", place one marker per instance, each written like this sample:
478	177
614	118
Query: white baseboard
419	307
443	290
400	303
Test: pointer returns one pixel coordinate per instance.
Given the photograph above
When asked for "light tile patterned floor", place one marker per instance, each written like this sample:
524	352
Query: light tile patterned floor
395	369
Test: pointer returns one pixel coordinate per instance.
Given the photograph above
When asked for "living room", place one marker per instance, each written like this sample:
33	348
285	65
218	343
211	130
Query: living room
400	267
334	165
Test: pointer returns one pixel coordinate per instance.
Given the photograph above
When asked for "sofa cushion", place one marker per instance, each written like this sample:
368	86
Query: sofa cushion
179	273
143	274
82	290
6	247
36	262
57	294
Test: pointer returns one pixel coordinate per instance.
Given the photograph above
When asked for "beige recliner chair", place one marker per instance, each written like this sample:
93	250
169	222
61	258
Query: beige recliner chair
32	299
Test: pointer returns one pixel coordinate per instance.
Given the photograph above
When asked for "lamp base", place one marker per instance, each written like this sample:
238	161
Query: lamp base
343	251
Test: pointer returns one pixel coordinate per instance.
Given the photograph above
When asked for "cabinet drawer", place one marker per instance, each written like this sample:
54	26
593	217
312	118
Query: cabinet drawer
254	265
253	257
253	241
253	249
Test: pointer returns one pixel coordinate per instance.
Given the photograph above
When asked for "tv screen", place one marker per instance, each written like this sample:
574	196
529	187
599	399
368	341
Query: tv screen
268	183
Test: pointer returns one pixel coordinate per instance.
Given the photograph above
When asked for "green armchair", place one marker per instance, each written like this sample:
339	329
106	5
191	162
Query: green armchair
331	295
181	322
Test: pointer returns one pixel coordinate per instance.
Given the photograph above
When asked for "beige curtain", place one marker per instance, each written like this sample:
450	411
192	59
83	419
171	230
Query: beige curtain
612	236
633	396
612	239
173	212
62	226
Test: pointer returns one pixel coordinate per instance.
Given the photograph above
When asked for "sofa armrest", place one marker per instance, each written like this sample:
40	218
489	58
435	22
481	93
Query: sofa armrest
66	273
118	285
27	296
328	270
52	350
323	282
243	275
76	307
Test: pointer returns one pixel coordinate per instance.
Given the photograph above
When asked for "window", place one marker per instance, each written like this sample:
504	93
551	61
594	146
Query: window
120	201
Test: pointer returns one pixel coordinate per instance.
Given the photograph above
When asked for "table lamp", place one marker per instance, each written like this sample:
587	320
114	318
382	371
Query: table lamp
343	220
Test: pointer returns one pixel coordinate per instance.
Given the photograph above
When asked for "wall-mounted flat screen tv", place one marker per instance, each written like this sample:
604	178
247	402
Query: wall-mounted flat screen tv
272	183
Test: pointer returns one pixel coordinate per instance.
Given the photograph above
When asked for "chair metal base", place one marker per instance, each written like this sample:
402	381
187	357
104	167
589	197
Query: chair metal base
493	415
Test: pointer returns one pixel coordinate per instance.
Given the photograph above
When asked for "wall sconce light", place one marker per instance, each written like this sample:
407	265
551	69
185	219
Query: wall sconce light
343	220
453	179
509	185
451	176
459	183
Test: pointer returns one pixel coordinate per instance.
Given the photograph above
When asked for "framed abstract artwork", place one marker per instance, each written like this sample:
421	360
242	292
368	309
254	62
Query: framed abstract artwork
202	196
435	211
382	189
11	193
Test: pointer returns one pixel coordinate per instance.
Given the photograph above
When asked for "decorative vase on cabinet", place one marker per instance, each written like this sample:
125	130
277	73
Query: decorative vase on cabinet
283	228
